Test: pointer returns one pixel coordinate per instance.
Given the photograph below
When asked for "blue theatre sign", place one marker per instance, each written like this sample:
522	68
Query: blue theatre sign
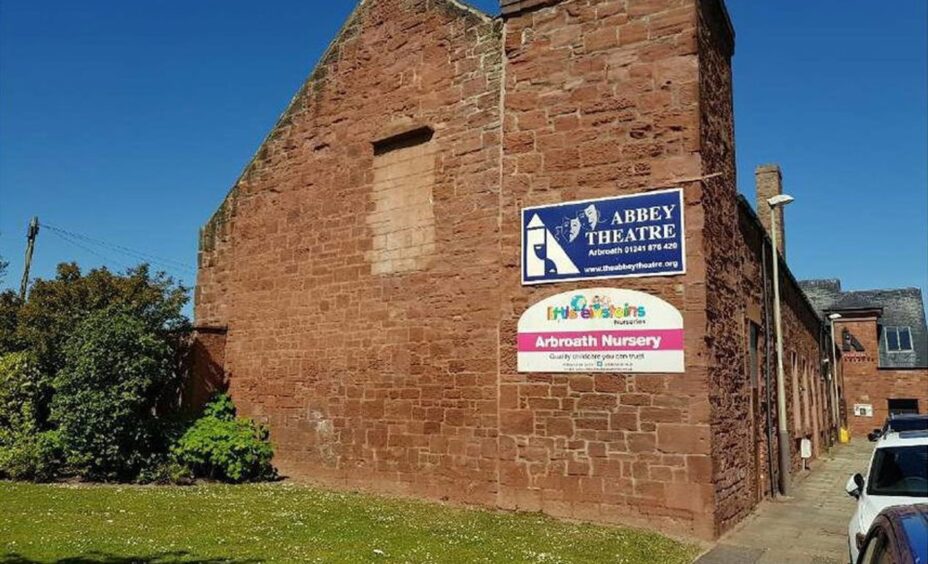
624	236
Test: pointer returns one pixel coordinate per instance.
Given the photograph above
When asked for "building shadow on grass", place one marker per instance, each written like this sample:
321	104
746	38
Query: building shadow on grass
105	558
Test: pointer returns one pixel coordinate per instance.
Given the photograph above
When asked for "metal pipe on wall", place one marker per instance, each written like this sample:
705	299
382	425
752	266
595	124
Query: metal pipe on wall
767	369
834	372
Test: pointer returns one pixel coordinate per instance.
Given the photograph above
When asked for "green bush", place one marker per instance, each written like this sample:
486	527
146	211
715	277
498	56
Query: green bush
54	310
32	456
9	318
20	390
26	451
92	388
99	361
167	473
221	447
115	367
220	407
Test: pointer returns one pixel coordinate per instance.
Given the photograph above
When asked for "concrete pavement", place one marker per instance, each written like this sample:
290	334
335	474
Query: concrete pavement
808	527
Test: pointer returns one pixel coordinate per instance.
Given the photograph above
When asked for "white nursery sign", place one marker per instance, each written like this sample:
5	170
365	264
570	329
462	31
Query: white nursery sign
601	330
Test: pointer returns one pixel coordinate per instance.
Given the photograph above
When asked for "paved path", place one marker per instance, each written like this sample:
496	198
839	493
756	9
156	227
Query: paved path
809	527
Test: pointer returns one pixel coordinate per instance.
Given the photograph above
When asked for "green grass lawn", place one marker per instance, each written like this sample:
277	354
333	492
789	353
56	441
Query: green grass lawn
285	523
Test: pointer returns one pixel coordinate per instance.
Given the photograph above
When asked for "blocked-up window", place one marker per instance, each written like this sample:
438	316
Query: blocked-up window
402	220
898	339
806	396
797	406
753	356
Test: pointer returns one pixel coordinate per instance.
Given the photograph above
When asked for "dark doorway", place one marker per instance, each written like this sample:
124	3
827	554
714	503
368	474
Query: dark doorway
902	405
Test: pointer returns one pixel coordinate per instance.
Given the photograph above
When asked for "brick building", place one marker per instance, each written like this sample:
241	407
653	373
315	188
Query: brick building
359	288
883	341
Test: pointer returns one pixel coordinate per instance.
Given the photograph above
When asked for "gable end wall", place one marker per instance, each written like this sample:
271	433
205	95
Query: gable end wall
371	300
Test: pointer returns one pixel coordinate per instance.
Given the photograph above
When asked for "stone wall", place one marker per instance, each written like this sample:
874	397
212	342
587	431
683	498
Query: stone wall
367	268
368	349
752	476
207	362
728	385
754	479
804	376
603	101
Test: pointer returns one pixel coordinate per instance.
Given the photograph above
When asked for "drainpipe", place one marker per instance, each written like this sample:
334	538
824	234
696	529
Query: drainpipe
834	372
771	472
826	369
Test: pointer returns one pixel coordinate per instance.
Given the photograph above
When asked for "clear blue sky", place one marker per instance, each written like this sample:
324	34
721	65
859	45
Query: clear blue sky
129	121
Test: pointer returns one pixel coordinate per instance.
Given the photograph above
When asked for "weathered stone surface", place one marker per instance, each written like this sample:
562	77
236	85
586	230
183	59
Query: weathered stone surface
371	287
352	268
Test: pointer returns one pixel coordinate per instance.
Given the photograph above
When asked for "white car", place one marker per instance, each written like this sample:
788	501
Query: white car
898	476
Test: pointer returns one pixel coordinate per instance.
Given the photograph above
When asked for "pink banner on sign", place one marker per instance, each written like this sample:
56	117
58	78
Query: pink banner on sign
592	341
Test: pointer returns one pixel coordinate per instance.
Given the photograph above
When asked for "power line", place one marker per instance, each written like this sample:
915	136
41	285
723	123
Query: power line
119	248
89	250
135	254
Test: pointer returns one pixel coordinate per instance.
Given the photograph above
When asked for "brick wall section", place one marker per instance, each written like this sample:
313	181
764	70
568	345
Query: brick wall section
214	261
207	362
371	379
808	396
866	383
601	100
401	377
728	382
876	387
805	385
752	442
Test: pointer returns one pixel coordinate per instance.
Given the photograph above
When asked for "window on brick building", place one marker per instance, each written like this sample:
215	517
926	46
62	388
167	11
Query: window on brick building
907	405
898	339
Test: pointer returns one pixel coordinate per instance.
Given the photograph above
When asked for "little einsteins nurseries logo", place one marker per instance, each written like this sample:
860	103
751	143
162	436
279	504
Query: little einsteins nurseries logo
601	330
598	307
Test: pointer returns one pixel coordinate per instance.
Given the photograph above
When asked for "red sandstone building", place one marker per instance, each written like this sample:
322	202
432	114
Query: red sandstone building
883	339
360	288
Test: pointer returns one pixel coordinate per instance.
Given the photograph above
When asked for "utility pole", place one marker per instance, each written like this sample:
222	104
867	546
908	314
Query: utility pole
30	246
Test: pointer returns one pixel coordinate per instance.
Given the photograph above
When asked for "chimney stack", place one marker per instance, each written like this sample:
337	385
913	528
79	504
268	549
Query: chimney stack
769	182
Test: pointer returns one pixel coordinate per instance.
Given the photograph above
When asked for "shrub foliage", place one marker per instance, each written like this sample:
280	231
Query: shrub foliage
27	452
90	375
221	447
55	308
105	395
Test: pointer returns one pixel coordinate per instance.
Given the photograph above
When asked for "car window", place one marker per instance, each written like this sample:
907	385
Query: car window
899	471
901	425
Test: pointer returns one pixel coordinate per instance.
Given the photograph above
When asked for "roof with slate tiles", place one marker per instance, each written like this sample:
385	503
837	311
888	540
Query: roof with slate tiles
901	307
